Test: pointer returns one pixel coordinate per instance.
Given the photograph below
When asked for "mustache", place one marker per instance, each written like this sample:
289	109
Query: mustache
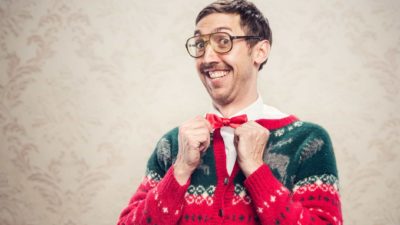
204	67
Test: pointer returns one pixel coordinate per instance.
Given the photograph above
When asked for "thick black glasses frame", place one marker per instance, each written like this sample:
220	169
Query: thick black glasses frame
247	37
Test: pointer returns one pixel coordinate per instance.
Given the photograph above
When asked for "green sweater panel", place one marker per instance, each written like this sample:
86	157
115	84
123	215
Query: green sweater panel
294	152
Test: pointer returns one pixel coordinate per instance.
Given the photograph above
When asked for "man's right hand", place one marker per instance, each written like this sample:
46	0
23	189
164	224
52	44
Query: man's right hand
194	138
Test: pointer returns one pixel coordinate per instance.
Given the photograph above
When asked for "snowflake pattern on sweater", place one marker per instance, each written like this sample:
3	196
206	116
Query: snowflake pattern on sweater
298	184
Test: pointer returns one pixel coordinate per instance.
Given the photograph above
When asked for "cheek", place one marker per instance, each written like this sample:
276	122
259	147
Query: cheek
235	58
238	57
229	60
198	63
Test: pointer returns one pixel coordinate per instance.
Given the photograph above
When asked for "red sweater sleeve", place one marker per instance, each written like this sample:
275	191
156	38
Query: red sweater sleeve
155	202
310	203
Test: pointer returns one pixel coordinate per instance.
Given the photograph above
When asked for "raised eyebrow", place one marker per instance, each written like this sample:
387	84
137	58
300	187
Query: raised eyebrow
218	29
222	29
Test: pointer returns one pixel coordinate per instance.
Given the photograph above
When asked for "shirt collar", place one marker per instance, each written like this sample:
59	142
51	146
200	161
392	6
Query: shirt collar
254	111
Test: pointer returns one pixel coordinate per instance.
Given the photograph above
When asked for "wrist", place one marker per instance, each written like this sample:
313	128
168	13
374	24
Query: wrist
182	173
250	168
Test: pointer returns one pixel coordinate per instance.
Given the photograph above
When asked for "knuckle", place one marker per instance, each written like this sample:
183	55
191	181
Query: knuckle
193	143
198	118
183	128
236	132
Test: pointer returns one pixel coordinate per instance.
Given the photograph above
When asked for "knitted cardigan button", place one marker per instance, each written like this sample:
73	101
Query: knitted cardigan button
221	213
226	180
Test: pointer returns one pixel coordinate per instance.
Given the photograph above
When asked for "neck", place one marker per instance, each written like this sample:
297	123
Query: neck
231	108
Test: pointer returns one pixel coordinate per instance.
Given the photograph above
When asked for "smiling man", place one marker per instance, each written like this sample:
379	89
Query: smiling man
244	162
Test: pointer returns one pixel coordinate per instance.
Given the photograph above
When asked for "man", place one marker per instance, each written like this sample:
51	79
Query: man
245	162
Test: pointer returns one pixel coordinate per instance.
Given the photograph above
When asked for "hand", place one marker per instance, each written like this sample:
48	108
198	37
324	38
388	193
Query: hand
193	138
250	140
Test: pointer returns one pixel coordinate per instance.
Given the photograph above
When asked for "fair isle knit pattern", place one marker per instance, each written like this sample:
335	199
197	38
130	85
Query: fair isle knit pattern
297	185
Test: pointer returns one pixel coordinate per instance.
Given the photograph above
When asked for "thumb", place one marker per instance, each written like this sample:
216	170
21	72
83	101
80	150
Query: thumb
236	141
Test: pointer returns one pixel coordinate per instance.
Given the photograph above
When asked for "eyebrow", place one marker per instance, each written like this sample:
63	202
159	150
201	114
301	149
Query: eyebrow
218	29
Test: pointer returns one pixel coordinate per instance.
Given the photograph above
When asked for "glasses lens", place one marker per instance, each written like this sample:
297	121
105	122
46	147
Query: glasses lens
195	46
221	42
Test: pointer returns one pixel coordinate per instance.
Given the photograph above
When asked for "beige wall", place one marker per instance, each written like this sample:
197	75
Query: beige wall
87	88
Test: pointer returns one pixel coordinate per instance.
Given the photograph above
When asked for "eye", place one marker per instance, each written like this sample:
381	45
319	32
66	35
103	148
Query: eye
222	40
199	44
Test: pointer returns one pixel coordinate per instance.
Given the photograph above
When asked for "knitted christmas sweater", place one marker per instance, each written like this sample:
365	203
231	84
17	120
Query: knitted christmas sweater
298	184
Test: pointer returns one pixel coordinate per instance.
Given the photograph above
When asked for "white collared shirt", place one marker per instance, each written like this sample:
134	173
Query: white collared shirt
256	110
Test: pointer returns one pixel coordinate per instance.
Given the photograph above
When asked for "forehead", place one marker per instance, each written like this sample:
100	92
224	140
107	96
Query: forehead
219	22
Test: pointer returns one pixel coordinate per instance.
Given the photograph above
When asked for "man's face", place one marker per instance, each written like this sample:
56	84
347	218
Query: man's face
228	77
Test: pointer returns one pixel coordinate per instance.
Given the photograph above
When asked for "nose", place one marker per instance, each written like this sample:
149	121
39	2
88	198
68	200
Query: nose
209	54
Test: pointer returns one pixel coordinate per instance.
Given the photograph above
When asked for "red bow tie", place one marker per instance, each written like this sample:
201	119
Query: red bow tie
218	122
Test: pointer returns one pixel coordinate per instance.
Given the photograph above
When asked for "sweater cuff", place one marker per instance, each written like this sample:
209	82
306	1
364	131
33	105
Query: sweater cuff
170	187
262	182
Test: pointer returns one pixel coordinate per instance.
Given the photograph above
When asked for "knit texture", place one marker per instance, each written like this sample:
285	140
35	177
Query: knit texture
298	184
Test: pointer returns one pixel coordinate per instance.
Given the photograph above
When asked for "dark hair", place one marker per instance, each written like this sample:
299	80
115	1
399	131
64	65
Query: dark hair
252	20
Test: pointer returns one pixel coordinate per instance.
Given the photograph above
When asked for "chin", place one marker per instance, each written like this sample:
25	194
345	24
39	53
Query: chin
220	99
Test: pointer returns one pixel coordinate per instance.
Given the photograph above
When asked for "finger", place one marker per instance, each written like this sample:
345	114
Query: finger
204	146
250	124
202	138
194	144
253	124
193	130
208	125
199	136
205	141
205	123
199	130
240	130
236	141
201	123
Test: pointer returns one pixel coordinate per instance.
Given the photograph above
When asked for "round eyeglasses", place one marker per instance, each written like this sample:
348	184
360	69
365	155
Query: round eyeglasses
221	42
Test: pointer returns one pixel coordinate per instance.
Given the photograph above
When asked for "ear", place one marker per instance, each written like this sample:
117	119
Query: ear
261	52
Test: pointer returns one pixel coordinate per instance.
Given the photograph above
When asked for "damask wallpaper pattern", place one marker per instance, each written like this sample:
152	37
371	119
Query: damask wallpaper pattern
88	87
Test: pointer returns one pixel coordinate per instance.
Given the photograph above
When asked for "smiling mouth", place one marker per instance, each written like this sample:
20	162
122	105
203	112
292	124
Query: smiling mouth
217	74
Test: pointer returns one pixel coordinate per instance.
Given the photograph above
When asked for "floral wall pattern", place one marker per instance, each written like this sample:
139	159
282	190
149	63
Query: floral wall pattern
88	87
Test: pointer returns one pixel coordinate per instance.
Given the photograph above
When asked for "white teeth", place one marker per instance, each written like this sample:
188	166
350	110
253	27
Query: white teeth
217	74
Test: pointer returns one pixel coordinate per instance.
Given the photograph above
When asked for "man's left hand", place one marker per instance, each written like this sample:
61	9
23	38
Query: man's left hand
250	141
